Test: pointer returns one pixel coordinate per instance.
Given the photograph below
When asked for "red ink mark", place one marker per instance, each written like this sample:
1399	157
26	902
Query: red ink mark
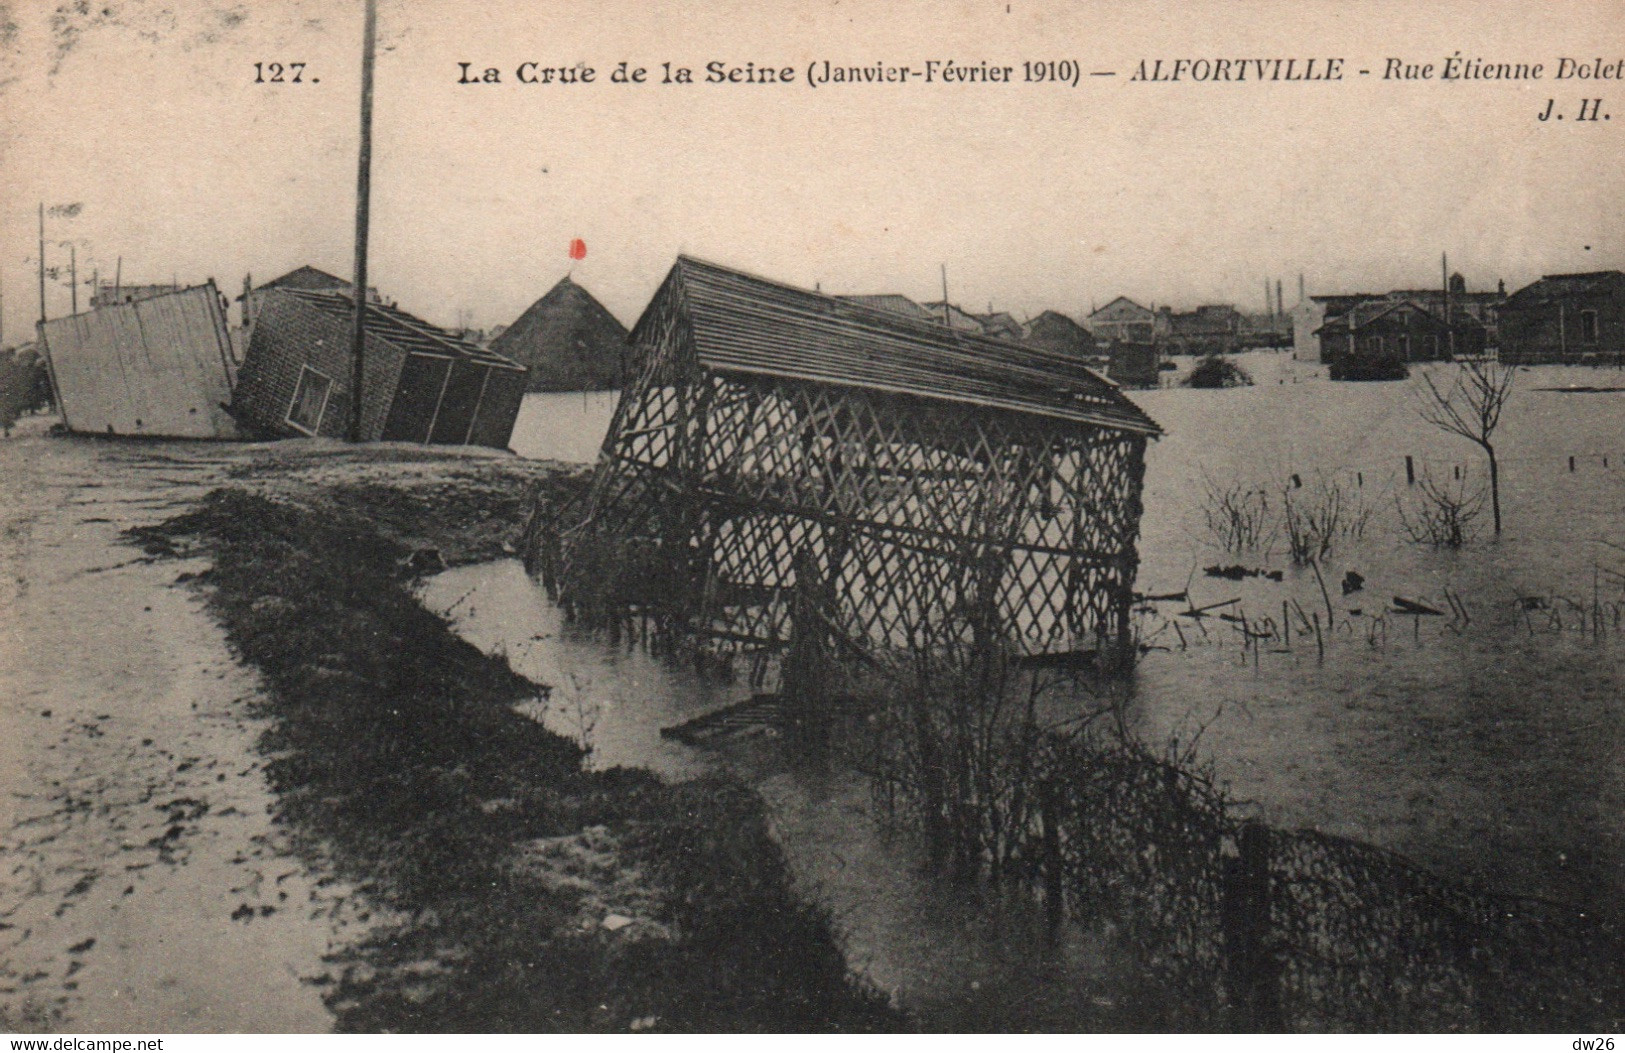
578	249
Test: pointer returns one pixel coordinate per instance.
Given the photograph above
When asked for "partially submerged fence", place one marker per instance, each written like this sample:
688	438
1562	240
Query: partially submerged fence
1235	924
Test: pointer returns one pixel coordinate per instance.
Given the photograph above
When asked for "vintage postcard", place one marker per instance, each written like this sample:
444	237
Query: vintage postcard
812	515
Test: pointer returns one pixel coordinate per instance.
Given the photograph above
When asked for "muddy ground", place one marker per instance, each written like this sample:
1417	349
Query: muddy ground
251	784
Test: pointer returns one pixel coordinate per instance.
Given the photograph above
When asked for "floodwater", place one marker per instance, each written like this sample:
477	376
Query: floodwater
563	426
1489	744
143	885
942	951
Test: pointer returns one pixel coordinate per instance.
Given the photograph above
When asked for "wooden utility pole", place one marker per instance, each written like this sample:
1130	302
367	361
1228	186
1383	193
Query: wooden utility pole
945	318
42	262
73	277
363	186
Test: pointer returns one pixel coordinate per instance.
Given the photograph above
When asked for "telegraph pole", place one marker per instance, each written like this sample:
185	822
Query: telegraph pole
42	262
73	276
363	187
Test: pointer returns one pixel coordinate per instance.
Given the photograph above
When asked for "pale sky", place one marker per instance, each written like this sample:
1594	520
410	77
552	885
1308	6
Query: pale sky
1034	196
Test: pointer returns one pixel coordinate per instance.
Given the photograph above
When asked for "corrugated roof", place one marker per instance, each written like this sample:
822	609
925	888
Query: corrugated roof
744	324
405	331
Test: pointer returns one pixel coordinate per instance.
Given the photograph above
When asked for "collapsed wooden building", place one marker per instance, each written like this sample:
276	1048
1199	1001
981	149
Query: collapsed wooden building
420	383
790	471
160	366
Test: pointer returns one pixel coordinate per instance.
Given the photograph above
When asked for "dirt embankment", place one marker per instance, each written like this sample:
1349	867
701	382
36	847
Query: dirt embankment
521	893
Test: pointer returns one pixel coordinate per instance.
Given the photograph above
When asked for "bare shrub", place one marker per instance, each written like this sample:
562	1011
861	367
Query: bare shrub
1442	514
1318	514
1238	514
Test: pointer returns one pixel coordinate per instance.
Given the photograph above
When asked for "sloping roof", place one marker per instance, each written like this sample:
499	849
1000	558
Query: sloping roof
567	339
1138	311
743	324
307	277
1553	287
407	332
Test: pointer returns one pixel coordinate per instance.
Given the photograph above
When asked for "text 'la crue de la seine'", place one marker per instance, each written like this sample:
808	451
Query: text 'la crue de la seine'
1069	72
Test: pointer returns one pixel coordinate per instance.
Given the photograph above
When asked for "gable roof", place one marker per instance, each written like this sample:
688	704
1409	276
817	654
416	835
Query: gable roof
1125	301
567	339
738	323
307	277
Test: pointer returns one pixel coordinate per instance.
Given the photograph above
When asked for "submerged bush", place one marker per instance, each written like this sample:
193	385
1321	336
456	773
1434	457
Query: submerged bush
1216	371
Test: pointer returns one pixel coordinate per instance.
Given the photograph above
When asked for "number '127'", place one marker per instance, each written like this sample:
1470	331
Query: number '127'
278	73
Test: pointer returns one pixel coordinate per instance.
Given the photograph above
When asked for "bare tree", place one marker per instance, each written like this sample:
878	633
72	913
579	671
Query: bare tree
1471	408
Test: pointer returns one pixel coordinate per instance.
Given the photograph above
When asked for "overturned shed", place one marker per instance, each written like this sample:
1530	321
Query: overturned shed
420	384
790	471
567	340
157	367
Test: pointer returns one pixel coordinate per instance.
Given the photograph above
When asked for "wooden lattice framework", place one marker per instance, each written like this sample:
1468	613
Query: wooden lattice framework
745	510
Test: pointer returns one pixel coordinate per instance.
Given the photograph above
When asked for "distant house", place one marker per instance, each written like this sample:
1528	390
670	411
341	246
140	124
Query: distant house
159	366
896	304
1567	318
938	312
1000	325
421	383
1311	313
950	315
567	340
308	278
1394	331
1123	320
1213	329
1134	364
1472	315
1054	331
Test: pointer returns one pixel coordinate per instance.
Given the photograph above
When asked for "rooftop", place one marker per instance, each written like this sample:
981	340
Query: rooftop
744	324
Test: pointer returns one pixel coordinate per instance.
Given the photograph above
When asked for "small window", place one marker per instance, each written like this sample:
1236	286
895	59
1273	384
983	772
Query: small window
1588	327
309	401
